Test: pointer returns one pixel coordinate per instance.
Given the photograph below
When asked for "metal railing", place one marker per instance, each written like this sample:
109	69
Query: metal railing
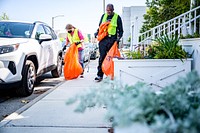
186	23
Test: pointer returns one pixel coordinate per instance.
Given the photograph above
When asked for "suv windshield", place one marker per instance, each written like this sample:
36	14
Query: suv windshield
15	30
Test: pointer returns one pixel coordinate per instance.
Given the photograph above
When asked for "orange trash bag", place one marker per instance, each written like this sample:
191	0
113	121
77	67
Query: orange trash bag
108	64
72	67
103	31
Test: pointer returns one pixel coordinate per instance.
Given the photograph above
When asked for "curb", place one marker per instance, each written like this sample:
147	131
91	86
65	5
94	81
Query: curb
12	116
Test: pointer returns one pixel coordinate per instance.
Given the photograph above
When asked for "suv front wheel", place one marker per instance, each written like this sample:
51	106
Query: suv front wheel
28	79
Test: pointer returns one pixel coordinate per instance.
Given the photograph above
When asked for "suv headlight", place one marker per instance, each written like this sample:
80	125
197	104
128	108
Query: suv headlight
8	48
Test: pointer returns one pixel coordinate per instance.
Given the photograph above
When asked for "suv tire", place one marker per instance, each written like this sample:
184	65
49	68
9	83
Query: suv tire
28	79
95	55
58	70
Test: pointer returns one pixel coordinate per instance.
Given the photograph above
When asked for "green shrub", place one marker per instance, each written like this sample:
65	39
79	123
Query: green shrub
163	47
134	55
168	48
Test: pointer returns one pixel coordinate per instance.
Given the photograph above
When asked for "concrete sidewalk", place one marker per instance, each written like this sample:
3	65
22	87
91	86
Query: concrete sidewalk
51	115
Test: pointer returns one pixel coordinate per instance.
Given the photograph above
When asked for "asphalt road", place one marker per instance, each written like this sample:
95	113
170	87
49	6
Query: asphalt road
10	103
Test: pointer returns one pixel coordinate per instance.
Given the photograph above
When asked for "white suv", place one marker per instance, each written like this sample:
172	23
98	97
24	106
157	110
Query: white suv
27	50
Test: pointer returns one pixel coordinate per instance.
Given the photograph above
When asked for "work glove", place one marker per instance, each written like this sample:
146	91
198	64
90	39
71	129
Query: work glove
64	47
77	43
118	40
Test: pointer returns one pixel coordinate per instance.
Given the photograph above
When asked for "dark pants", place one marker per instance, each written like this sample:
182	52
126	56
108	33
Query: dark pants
104	47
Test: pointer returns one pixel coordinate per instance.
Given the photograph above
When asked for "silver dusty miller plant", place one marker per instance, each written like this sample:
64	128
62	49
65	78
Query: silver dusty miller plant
174	110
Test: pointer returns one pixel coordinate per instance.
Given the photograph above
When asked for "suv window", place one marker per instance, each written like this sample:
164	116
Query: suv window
15	29
40	30
49	31
54	34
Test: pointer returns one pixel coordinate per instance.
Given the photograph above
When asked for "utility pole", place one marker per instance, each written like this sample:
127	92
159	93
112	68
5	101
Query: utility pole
103	6
54	18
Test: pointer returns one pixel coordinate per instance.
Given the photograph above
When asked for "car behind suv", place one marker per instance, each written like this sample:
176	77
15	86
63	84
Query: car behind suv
94	50
27	50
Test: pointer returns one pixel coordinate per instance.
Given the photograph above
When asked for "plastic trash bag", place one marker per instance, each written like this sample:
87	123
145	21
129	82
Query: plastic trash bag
72	67
103	30
108	64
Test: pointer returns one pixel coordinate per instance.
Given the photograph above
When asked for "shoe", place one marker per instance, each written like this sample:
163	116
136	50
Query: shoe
98	79
81	76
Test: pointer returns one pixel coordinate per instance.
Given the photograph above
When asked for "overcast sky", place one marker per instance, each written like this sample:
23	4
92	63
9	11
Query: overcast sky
83	14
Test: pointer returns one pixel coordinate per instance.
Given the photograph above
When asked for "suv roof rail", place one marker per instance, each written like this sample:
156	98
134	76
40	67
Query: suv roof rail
40	22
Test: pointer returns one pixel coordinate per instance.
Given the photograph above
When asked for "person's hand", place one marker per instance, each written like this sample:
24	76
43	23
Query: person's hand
118	40
95	34
64	47
77	43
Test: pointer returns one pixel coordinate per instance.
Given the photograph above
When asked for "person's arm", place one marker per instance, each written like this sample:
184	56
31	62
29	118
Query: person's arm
96	33
67	41
101	20
81	37
120	30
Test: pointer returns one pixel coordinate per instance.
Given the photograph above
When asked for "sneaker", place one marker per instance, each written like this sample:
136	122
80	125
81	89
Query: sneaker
98	79
81	76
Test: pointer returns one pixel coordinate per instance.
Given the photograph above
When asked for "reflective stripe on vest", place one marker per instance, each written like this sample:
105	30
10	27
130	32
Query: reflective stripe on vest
73	38
113	24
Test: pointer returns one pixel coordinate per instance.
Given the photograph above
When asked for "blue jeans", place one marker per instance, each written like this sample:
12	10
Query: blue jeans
81	58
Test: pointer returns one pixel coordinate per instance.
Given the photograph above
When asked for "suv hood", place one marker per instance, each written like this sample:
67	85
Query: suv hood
10	41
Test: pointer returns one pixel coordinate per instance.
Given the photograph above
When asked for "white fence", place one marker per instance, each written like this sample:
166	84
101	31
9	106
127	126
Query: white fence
183	24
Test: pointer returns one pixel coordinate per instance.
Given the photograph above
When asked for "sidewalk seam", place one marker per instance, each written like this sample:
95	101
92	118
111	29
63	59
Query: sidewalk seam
65	126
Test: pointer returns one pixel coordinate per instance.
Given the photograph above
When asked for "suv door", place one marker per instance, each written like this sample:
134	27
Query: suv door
50	58
44	54
57	46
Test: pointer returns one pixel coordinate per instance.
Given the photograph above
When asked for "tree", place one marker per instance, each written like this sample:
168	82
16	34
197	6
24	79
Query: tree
4	17
160	11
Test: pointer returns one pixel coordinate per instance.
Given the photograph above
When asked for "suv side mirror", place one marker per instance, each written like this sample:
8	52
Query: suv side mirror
44	37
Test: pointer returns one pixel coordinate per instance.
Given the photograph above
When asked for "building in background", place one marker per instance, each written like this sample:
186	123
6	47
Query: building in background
132	18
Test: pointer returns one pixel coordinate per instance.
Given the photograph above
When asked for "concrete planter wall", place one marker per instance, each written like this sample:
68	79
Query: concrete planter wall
190	45
156	72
